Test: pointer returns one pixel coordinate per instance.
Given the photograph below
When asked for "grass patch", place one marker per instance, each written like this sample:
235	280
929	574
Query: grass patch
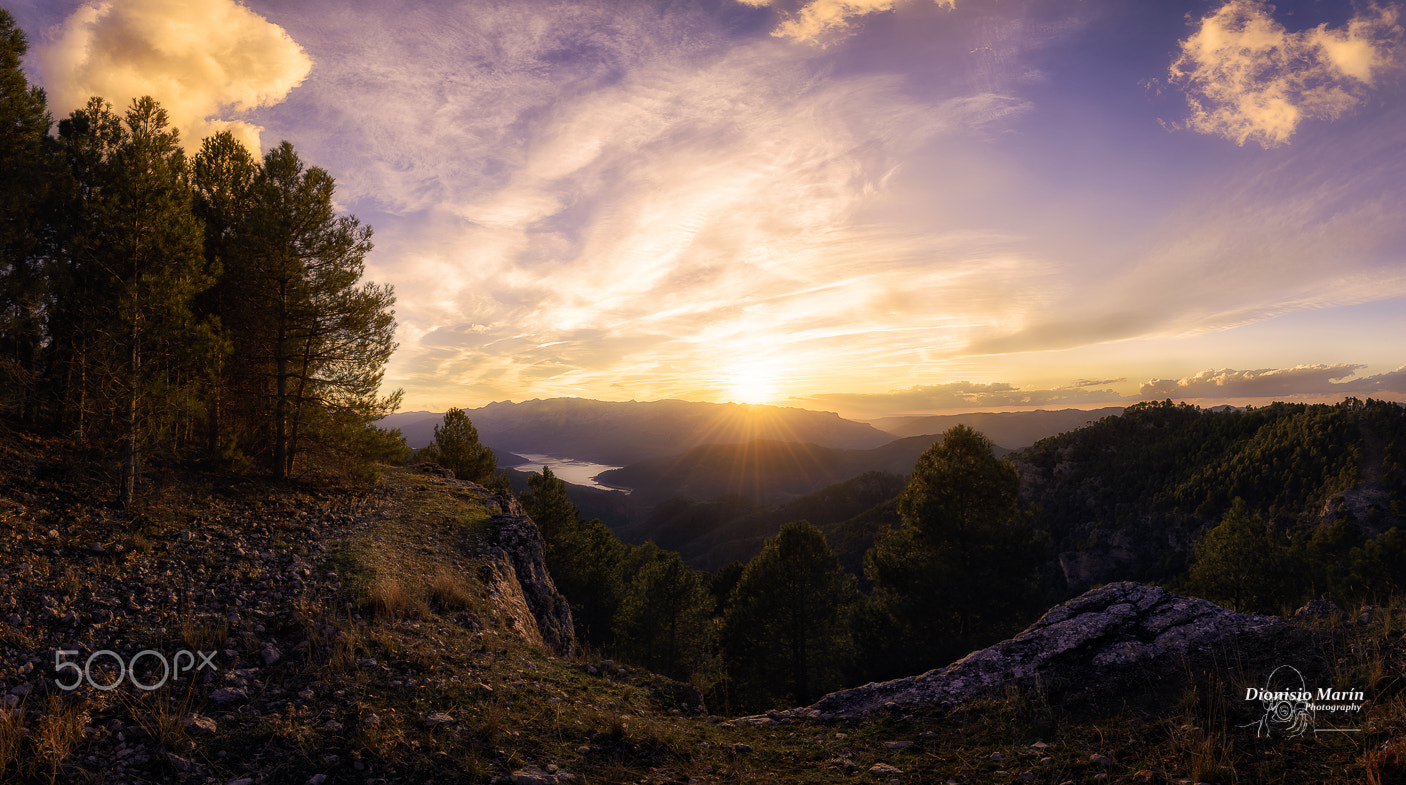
389	599
450	591
42	750
203	634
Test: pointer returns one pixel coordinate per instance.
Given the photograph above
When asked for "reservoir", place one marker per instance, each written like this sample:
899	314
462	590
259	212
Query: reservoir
570	470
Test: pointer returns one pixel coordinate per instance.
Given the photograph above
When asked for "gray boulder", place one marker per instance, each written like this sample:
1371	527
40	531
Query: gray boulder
1109	631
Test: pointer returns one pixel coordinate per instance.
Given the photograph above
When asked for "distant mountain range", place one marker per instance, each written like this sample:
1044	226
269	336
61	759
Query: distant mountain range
1012	430
624	432
620	433
770	472
768	454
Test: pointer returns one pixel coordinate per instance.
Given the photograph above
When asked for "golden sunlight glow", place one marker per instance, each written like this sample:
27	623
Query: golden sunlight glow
751	385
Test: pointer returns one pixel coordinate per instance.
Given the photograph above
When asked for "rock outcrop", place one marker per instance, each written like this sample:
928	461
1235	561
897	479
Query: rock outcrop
514	553
1102	633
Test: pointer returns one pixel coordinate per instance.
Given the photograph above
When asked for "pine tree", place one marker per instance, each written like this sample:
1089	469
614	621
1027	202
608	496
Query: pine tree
786	630
134	264
456	447
317	336
663	622
964	567
223	178
78	297
25	174
548	505
584	557
1244	562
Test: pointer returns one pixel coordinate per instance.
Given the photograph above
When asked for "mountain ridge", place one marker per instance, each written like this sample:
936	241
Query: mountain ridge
624	432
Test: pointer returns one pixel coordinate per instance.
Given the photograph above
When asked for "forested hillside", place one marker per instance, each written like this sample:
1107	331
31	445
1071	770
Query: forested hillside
1126	497
1130	494
709	534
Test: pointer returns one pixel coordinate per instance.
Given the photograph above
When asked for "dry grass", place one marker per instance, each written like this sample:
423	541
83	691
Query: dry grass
204	635
389	599
1387	765
449	590
70	583
55	736
136	542
162	716
11	734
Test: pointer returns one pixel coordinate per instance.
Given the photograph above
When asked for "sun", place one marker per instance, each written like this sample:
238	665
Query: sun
751	385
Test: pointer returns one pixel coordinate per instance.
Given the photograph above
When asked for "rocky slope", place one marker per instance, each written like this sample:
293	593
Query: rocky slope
156	646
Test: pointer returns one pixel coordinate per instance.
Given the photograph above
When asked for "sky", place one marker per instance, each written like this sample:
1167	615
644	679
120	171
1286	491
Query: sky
874	207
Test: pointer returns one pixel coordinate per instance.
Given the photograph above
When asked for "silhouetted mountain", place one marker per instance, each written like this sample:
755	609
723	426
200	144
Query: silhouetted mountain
1012	430
770	472
622	433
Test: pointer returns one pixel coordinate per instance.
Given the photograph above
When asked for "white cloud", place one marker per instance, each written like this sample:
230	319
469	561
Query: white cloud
205	61
818	20
1248	78
1263	383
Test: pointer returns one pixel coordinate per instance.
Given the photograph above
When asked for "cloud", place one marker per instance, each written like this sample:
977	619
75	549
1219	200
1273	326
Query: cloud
1390	383
1313	382
1302	380
819	20
205	61
965	395
1247	78
655	209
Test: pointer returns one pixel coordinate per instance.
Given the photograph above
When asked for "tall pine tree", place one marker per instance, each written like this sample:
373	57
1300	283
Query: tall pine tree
584	557
223	177
963	569
316	334
25	174
133	265
786	631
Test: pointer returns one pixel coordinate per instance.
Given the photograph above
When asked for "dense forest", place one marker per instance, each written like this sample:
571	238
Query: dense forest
1157	493
160	306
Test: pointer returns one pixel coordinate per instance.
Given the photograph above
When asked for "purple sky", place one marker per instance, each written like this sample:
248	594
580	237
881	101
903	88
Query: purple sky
867	206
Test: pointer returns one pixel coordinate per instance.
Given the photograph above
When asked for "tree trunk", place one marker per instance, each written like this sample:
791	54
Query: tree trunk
133	450
280	399
280	419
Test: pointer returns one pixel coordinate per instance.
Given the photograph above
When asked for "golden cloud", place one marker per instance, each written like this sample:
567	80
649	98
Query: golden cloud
204	61
819	18
1247	78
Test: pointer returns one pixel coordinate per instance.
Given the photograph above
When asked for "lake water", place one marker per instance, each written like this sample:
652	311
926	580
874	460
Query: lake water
568	469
